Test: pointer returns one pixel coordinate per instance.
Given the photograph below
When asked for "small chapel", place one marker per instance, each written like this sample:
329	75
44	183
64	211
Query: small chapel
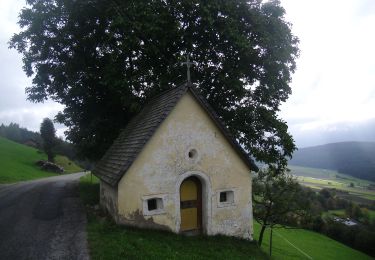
176	167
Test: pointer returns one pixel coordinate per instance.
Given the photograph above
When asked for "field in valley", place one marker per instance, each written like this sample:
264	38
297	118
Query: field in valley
352	188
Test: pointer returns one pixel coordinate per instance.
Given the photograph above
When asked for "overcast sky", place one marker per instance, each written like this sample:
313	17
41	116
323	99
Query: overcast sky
333	88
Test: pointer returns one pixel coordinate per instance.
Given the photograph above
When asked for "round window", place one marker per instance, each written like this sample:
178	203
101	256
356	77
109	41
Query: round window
193	154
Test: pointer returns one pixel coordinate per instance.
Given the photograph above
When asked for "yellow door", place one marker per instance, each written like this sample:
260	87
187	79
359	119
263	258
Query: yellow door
190	204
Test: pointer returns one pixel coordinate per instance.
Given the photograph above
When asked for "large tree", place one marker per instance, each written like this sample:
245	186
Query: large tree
48	134
103	59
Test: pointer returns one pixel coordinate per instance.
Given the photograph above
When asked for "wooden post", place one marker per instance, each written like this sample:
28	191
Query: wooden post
271	242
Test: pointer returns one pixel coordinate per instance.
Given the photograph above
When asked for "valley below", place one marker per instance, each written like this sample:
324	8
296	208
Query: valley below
347	187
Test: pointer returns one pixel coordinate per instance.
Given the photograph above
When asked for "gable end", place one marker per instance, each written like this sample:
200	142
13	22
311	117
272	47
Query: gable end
141	128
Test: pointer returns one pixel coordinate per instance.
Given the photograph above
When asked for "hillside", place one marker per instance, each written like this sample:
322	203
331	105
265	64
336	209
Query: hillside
353	158
17	162
305	244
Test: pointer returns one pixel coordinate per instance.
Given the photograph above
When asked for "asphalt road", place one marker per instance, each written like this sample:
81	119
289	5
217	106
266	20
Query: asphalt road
43	219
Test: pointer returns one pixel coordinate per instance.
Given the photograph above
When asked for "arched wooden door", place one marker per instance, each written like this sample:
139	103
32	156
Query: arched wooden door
191	204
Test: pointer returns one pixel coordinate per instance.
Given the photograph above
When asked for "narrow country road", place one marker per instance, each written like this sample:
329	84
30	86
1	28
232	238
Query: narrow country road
43	219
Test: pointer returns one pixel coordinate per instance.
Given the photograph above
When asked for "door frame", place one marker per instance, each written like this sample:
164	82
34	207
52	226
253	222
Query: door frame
206	200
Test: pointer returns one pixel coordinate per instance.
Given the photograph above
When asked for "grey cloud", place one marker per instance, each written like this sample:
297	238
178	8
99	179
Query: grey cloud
340	132
366	8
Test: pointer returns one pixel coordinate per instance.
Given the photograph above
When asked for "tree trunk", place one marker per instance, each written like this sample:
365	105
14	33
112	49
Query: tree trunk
50	157
261	235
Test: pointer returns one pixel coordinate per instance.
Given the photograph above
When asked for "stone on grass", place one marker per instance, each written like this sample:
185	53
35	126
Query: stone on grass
50	167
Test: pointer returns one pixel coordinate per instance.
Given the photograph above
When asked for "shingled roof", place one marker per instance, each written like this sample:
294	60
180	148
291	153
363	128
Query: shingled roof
140	129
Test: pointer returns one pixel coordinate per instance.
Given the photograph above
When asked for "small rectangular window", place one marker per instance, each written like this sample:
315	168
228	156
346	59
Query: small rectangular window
223	196
226	198
151	204
154	204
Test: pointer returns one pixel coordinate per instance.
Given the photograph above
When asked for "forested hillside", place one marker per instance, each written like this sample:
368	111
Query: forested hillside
22	135
353	158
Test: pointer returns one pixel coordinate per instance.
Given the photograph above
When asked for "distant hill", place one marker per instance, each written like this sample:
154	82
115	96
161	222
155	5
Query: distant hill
353	158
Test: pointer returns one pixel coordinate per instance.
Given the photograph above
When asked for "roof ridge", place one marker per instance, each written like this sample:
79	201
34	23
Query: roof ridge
182	86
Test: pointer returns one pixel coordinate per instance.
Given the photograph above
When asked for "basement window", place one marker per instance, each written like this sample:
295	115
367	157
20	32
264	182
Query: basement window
226	198
223	197
153	205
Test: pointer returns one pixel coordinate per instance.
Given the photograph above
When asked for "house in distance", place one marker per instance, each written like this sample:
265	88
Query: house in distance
176	167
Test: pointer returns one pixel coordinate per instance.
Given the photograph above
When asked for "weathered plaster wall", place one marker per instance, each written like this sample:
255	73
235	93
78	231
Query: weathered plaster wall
108	198
164	163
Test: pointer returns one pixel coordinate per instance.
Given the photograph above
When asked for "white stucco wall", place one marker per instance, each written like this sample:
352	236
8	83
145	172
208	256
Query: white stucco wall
164	163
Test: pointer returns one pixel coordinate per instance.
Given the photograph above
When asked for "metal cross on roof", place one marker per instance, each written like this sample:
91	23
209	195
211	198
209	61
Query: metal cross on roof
188	64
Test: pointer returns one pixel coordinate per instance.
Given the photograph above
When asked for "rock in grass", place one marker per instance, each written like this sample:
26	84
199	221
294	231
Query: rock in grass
50	167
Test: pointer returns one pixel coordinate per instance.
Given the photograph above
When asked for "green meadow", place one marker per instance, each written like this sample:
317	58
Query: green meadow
17	162
305	244
109	241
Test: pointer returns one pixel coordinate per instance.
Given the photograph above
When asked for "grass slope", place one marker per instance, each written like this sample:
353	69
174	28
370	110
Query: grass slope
17	162
68	165
109	241
305	244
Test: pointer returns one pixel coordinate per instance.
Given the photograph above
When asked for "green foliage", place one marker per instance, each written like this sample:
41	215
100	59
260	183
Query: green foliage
338	212
372	215
322	217
19	134
110	241
104	59
65	148
278	199
363	215
360	237
89	189
48	134
354	211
